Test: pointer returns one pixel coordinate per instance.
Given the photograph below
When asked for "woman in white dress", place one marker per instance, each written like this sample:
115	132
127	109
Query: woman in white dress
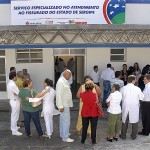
48	106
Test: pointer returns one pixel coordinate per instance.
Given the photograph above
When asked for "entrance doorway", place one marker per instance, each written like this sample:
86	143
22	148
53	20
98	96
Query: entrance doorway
74	63
2	71
73	59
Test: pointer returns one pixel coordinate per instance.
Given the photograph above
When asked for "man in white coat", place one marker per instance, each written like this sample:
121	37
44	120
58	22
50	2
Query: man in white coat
131	95
13	92
64	102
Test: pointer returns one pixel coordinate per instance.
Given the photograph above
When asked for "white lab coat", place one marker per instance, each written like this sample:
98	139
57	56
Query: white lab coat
131	95
48	109
48	102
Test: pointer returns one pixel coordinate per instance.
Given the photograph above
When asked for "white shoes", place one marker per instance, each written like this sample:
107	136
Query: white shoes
17	133
69	140
47	136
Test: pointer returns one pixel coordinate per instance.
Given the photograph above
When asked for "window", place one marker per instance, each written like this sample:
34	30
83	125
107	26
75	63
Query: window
2	52
69	51
29	55
77	51
117	55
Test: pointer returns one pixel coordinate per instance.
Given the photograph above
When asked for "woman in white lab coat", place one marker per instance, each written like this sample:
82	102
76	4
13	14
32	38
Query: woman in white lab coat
48	106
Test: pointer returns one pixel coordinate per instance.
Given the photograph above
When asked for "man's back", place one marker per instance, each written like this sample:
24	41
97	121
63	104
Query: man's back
108	74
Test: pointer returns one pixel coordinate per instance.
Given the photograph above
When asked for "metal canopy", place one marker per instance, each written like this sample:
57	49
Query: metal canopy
79	35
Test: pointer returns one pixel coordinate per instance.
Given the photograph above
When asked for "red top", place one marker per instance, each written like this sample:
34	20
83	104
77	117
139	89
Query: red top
89	108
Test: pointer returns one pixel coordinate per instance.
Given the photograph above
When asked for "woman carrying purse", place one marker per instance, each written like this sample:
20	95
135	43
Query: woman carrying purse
30	112
89	111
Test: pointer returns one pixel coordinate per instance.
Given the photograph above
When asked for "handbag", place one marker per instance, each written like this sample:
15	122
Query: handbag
35	104
99	108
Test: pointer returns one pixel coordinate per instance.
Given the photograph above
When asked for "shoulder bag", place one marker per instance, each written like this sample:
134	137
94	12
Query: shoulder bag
35	104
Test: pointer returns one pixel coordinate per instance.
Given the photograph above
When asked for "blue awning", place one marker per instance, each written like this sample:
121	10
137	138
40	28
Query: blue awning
26	46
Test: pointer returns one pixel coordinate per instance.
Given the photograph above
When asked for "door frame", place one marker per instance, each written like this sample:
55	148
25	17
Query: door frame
84	55
5	73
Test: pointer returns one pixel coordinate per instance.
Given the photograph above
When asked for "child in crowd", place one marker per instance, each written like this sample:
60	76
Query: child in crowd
114	109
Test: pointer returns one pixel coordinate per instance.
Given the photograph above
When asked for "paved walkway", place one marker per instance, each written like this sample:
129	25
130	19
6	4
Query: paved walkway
9	142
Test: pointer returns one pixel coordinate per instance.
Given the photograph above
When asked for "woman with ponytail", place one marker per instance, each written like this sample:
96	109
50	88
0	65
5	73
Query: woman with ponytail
48	106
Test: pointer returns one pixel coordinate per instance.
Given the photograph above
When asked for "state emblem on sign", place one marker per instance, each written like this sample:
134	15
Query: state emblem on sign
114	11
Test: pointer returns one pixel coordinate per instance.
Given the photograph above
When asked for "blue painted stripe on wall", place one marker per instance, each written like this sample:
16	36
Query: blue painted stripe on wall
74	46
138	1
5	1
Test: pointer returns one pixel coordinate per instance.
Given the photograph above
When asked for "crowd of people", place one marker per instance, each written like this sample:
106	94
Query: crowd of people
123	91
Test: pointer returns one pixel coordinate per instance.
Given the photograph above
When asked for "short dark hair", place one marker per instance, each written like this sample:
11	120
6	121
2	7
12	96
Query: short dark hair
95	67
26	83
108	65
116	86
87	76
49	82
131	78
12	69
117	74
12	75
124	65
147	76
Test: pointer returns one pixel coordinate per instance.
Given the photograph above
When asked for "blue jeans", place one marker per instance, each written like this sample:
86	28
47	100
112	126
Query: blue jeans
65	124
107	88
36	120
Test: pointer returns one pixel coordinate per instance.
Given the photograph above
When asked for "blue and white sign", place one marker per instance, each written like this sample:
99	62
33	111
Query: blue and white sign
36	12
138	1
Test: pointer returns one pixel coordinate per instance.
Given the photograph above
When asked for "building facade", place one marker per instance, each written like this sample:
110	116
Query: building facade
40	62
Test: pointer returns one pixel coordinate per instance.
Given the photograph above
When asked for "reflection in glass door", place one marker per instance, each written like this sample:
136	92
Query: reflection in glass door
2	74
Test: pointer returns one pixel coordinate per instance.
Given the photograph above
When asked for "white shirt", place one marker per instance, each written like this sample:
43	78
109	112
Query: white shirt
146	93
131	95
48	102
95	76
12	90
117	81
114	99
63	94
108	74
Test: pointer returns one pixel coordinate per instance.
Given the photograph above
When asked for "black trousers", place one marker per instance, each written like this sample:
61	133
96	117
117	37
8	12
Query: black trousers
85	124
146	117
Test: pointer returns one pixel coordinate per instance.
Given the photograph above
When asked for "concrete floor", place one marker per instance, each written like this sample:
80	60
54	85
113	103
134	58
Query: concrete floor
9	142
